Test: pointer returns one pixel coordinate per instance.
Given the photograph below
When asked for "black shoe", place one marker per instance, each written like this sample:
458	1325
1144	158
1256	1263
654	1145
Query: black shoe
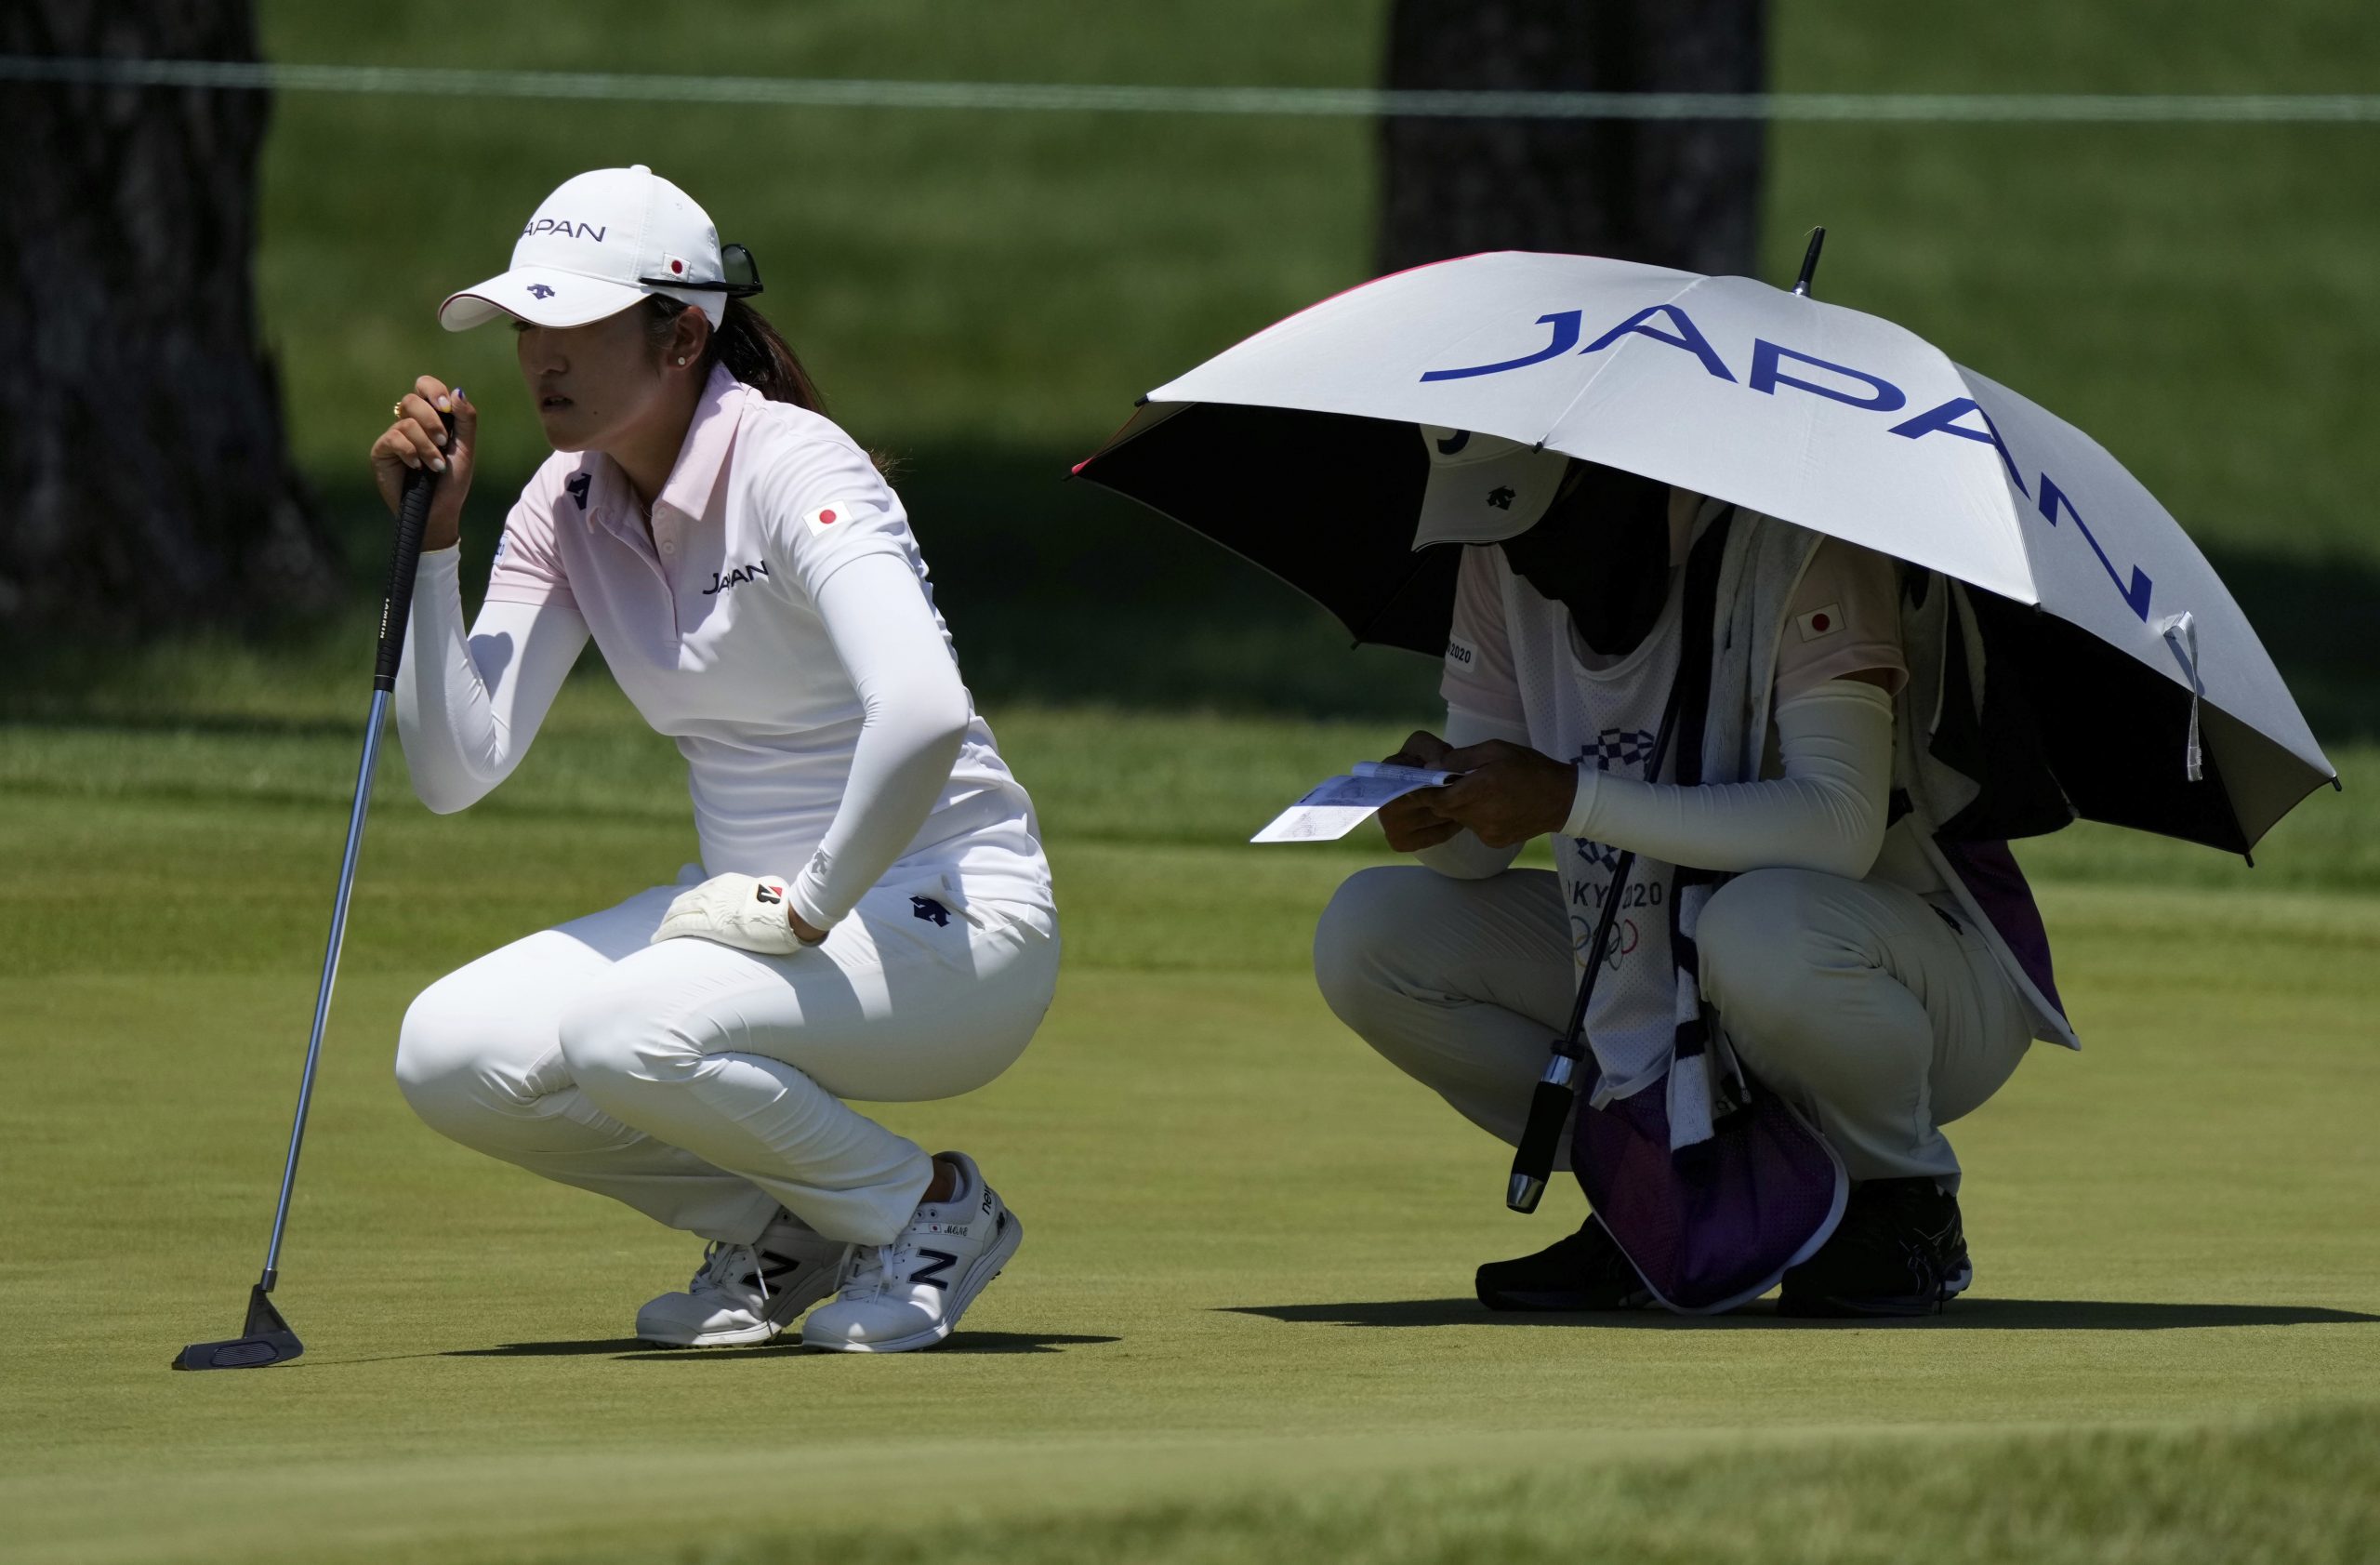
1584	1271
1900	1251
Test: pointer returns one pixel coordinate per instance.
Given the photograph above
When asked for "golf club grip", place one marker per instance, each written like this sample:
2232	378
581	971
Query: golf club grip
396	604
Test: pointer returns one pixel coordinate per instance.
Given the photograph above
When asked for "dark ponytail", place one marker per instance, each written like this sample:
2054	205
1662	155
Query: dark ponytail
755	355
750	350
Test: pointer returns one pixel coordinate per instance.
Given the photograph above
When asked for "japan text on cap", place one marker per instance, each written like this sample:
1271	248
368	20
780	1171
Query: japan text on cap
600	243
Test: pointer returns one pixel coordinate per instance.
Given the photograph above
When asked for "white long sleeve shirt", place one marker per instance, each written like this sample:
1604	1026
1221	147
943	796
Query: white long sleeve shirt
777	621
1824	806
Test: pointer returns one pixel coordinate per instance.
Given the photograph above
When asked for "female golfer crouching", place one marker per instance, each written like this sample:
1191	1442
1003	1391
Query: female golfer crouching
877	921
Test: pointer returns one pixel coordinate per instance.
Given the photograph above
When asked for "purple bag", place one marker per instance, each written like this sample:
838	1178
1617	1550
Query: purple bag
1712	1226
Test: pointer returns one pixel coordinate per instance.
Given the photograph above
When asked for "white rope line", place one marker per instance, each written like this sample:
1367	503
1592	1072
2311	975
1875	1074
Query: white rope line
819	92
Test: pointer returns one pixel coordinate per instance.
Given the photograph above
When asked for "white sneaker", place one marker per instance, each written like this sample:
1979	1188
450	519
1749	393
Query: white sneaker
747	1292
910	1292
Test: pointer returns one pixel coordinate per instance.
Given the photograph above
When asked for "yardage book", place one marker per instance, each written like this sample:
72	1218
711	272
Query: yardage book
1340	804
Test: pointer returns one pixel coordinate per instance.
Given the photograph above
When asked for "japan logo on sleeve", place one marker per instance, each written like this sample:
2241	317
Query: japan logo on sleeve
1820	623
830	516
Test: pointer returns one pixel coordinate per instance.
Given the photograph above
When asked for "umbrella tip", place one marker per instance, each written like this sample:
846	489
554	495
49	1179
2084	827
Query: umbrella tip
1809	263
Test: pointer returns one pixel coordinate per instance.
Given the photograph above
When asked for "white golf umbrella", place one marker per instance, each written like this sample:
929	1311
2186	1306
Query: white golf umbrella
1297	448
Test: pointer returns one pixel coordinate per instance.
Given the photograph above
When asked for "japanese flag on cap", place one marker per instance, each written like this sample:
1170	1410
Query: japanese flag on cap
1484	488
602	242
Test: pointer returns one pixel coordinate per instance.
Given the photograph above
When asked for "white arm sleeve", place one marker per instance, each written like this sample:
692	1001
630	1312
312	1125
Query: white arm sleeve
1826	812
1463	857
468	706
916	715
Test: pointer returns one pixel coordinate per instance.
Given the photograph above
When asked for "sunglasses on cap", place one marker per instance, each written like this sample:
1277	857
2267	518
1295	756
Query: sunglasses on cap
739	275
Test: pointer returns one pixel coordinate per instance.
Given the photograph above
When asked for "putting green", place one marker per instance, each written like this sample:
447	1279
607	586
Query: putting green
1240	1326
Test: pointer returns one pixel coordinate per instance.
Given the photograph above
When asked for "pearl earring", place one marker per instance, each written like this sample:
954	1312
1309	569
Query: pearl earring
682	358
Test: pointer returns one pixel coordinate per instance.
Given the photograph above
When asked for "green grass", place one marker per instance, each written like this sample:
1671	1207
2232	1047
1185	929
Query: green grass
1241	1328
281	724
1015	280
986	294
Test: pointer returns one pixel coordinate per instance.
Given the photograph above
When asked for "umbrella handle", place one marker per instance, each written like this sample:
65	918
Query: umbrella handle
1550	1108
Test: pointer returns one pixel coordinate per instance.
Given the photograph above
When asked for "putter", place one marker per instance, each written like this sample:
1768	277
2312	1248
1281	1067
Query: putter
266	1339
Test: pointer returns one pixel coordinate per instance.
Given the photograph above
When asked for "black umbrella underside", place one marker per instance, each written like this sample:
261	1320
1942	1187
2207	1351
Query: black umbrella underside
1328	502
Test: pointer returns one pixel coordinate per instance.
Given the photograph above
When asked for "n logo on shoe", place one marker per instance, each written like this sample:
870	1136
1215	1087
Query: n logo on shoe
933	1274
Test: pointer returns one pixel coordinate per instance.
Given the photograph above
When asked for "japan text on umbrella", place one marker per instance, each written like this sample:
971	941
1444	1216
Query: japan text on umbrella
1298	449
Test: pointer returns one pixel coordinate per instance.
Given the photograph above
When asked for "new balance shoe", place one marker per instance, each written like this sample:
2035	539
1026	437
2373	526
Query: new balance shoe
745	1294
1901	1250
910	1292
1584	1271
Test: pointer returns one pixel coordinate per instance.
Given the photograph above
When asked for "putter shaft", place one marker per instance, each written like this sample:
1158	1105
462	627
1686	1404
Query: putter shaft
331	948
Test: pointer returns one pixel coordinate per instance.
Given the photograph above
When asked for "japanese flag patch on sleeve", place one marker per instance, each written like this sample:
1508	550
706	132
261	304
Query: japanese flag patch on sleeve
1820	623
827	517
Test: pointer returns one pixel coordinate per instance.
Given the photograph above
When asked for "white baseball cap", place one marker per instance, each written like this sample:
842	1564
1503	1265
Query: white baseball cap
602	242
1484	488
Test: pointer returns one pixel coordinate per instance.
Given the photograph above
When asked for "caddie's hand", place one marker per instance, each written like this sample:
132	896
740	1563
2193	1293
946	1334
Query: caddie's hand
1422	749
1507	794
418	441
1409	822
750	912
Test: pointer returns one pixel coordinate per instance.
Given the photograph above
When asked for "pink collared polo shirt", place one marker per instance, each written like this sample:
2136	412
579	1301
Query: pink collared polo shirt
709	626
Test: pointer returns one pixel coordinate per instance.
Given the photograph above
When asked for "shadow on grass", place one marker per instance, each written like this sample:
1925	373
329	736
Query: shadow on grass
551	1349
1991	1315
1064	593
962	1343
634	1349
242	724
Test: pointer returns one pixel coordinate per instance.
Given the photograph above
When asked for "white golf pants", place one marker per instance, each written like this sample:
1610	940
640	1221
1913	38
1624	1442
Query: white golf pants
1873	1013
703	1085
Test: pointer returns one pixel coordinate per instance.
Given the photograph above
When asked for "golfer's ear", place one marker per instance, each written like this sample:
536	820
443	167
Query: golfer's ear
691	335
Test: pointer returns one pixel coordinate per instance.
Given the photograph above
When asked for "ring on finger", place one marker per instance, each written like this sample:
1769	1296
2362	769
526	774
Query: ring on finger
397	409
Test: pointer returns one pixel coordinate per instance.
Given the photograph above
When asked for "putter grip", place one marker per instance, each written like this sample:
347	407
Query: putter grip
396	605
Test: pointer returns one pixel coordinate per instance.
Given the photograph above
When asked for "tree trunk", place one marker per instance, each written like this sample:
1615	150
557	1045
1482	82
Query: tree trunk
1682	194
147	481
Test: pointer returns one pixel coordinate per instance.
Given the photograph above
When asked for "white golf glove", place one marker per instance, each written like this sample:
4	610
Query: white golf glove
748	911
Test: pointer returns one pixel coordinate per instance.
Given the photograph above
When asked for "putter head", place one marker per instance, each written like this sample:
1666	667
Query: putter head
265	1339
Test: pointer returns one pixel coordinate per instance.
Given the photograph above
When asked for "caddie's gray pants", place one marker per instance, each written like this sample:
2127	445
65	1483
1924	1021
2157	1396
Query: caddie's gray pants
1876	1015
